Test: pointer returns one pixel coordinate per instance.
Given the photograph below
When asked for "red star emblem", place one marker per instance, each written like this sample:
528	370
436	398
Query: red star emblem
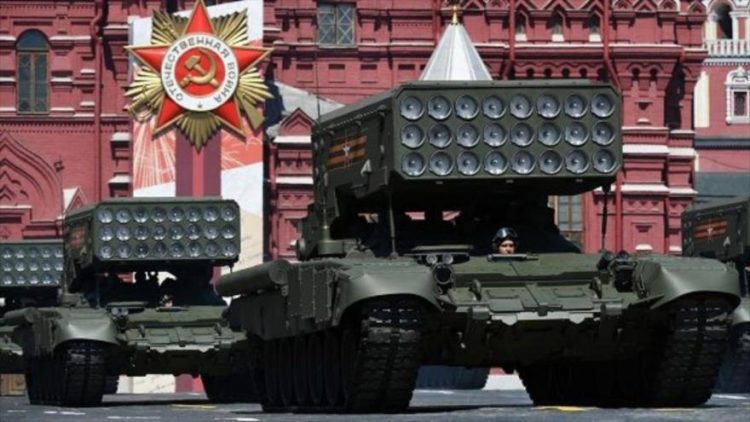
200	70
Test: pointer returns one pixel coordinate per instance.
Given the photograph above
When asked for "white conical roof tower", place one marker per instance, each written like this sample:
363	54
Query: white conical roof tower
455	58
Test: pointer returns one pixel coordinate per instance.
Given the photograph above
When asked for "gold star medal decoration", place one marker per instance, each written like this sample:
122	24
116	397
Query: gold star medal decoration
199	74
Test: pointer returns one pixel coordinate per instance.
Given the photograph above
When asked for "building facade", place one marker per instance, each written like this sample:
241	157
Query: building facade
653	50
722	103
65	136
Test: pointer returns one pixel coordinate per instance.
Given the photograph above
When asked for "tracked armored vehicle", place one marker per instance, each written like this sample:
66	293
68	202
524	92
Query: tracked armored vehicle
137	300
721	230
396	269
30	273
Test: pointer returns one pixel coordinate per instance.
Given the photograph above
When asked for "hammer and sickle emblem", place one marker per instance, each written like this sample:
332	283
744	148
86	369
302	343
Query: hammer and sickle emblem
205	76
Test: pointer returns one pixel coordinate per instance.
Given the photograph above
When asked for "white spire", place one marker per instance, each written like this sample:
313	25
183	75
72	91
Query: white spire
455	58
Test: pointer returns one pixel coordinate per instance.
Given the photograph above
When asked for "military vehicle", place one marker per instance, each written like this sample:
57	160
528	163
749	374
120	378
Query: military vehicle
115	317
721	230
396	269
30	273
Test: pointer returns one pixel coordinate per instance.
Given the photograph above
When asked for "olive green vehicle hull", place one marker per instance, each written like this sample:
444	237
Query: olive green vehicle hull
518	314
191	340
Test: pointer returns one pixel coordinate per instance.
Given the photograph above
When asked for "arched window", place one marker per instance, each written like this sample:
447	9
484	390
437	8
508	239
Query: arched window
720	15
520	28
32	53
593	24
738	96
555	26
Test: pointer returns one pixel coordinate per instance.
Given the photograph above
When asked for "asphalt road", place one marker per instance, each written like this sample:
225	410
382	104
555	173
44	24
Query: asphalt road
427	405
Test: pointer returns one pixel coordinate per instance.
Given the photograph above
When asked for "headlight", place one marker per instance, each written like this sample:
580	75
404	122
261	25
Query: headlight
141	250
140	232
176	232
21	279
467	107
20	254
123	233
104	215
495	163
47	279
575	106
576	134
494	135
412	164
158	215
229	250
441	163
106	234
576	162
46	266
523	162
603	134
46	252
159	232
7	280
33	279
123	215
602	105
176	250
20	266
520	106
550	162
228	232
439	107
6	266
548	106
58	266
521	135
194	249
211	232
549	134
411	108
604	161
176	214
140	215
412	136
468	135
33	266
193	232
228	213
160	249
7	253
468	163
210	214
194	214
33	252
212	249
105	251
493	107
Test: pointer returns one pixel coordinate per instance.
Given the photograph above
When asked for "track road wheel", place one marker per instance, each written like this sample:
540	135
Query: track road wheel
81	373
286	372
31	378
332	368
316	369
734	375
266	378
234	388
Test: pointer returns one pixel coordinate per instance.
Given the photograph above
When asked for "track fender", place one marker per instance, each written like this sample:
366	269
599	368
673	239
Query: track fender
101	329
367	283
668	278
741	314
43	329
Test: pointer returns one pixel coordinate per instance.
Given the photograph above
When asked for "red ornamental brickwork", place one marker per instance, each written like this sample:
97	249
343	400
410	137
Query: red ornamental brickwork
651	49
62	115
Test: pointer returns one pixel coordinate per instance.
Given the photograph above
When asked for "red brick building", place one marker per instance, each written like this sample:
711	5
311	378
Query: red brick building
64	136
722	103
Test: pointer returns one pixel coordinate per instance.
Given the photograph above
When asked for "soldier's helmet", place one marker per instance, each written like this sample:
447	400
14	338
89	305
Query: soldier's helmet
502	234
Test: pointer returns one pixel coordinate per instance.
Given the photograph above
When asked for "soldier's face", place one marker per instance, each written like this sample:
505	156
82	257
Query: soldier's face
507	247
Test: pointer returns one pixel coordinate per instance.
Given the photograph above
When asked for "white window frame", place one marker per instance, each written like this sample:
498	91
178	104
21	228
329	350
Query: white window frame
737	80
